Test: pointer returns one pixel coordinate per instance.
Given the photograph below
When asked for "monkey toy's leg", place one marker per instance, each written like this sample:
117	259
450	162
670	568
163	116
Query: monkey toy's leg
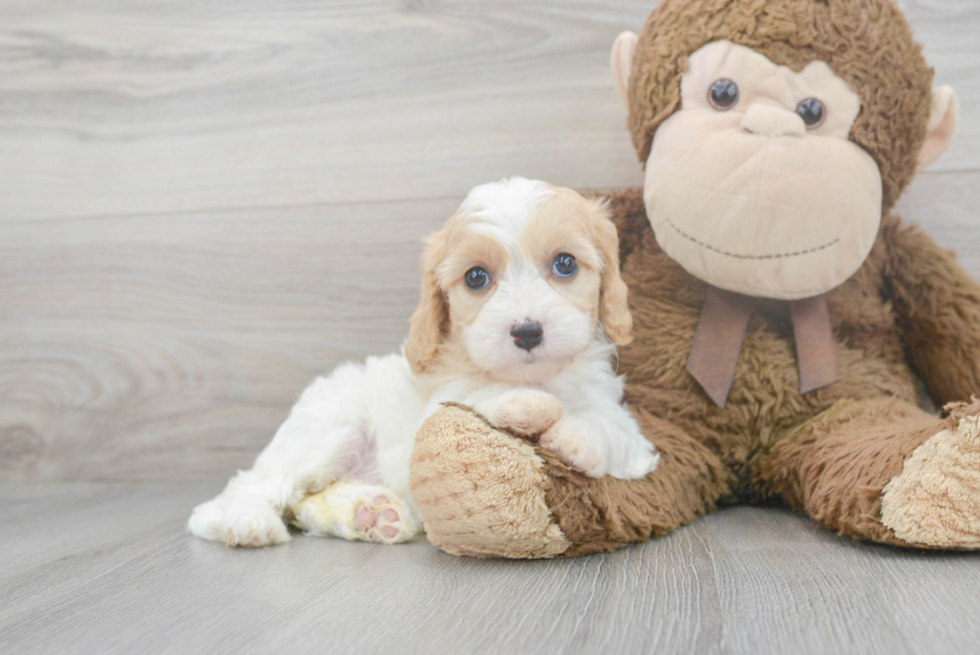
886	471
484	493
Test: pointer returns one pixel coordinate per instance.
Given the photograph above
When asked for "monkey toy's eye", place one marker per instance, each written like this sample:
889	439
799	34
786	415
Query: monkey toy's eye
812	112
564	265
723	94
476	278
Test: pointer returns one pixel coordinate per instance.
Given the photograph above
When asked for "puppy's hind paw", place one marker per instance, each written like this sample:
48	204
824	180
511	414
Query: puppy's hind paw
357	512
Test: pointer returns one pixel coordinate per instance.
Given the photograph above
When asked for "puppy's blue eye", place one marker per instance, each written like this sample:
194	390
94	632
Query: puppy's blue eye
476	278
564	265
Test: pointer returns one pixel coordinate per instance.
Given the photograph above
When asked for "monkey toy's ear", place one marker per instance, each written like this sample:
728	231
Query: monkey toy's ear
621	61
943	117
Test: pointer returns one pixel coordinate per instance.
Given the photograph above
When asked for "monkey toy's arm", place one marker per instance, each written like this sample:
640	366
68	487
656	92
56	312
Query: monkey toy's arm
937	302
938	305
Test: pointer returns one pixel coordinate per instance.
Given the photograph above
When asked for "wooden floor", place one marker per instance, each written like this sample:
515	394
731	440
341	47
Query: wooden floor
203	204
106	568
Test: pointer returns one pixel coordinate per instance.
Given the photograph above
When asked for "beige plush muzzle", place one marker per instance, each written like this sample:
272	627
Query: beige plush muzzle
749	198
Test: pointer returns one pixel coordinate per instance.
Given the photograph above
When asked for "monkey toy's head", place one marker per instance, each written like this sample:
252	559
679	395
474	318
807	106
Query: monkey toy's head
776	133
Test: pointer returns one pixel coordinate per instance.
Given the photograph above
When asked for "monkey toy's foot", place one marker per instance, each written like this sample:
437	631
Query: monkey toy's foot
486	493
935	500
481	492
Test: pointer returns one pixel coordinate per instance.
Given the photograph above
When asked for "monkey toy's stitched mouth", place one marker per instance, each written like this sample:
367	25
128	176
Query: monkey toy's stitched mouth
782	255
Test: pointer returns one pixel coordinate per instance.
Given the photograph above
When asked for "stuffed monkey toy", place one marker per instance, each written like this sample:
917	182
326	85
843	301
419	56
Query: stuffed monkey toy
781	310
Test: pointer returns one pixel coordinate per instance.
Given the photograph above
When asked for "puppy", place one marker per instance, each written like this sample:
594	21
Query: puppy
521	306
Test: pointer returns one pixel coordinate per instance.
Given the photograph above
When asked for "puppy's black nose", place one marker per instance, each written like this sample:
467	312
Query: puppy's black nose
527	336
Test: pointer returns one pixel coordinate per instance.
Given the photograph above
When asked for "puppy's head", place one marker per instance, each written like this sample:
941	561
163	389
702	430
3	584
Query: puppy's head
523	278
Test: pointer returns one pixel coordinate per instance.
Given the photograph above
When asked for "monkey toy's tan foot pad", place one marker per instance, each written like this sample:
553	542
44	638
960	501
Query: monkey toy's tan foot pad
935	500
480	491
356	512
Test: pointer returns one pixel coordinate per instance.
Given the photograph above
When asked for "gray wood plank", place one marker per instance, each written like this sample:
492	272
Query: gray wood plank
107	568
125	108
173	346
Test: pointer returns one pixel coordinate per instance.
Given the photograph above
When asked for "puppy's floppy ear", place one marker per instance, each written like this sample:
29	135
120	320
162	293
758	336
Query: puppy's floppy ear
614	312
431	318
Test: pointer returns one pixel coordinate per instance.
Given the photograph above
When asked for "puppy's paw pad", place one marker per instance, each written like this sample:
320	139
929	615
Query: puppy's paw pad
528	412
384	519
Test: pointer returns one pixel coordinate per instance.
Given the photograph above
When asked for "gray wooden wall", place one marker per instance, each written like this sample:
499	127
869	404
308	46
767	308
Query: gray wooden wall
203	204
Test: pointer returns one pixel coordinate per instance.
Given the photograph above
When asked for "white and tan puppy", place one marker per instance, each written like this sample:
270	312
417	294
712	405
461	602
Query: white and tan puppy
522	304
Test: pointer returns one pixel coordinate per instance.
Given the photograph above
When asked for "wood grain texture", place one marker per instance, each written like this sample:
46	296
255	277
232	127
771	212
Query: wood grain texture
96	568
186	105
175	345
204	204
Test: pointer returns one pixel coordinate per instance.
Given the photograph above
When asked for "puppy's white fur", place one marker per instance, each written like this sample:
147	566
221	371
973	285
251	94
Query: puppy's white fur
351	433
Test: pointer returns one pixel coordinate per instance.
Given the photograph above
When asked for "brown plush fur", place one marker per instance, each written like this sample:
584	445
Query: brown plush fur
829	453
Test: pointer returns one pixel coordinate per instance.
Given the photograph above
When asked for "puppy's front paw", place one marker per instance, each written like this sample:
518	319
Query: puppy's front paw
245	523
640	465
527	412
572	444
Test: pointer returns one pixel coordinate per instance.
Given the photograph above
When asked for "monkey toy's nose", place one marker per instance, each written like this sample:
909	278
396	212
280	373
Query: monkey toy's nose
772	121
528	335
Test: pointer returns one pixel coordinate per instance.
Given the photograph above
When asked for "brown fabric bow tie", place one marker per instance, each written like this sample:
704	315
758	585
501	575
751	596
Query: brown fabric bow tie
721	331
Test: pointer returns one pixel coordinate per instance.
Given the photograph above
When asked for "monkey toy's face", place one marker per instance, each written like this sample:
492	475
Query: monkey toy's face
753	186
